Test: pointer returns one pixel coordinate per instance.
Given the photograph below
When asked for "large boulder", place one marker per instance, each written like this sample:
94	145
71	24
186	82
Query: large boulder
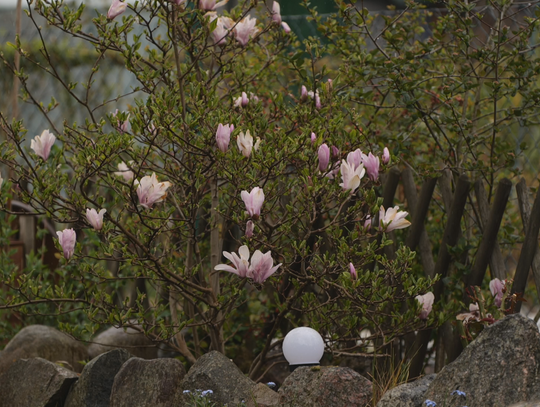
499	368
130	339
93	389
214	371
44	342
325	386
408	394
148	383
35	383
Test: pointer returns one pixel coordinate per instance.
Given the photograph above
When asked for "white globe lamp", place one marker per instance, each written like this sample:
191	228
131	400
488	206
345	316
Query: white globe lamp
303	347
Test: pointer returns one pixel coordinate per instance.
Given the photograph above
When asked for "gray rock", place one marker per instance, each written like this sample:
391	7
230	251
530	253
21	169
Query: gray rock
263	396
499	368
325	386
35	383
117	338
408	394
44	342
148	383
214	371
527	404
93	389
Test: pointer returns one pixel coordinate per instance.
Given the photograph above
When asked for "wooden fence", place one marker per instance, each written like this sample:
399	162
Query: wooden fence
488	221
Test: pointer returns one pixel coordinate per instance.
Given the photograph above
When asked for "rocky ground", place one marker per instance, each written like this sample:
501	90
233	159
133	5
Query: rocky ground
42	367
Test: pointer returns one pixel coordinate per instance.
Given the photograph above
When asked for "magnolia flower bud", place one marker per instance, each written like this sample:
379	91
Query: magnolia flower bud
352	270
304	94
276	13
42	144
117	8
250	226
386	156
497	288
313	137
354	158
253	201
371	164
223	136
286	27
426	301
67	239
324	157
317	101
94	218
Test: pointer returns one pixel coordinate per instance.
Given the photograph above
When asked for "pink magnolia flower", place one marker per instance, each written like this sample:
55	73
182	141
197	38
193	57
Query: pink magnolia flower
426	301
245	143
497	288
471	316
253	201
250	226
324	157
223	27
42	144
353	271
262	266
223	136
117	8
314	96
211	4
245	29
124	171
150	191
386	156
241	101
371	164
355	158
94	218
313	137
351	176
67	239
335	152
303	94
392	219
286	27
367	223
122	127
241	264
276	13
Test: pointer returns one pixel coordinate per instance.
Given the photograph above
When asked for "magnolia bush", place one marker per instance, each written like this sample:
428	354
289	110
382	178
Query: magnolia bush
239	197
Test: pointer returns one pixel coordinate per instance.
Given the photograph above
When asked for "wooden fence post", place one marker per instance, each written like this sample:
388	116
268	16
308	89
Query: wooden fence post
528	250
489	236
450	238
496	263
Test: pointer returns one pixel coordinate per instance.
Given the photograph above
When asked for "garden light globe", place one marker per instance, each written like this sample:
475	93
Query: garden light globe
303	347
